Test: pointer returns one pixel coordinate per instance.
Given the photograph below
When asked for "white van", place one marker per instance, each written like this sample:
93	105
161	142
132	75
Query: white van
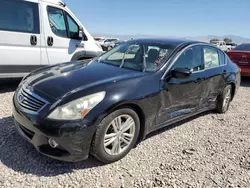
36	33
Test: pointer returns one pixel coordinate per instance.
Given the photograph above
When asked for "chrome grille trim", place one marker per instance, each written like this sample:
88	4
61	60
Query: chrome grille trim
30	101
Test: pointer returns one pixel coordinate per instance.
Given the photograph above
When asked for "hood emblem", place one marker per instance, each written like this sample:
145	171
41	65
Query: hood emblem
21	98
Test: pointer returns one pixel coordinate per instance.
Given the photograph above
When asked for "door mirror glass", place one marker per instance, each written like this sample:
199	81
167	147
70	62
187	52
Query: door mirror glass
181	73
82	35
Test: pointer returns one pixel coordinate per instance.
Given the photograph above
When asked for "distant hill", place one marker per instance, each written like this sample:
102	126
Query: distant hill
235	38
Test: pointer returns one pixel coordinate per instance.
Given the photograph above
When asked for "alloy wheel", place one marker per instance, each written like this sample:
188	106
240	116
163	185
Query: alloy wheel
119	134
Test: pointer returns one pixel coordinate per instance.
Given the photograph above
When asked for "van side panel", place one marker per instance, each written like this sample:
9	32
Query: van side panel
20	39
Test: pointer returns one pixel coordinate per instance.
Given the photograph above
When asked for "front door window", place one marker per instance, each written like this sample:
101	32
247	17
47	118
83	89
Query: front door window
57	22
191	59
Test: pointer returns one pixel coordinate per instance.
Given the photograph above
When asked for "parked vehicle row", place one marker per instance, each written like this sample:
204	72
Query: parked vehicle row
221	44
231	45
105	106
38	33
107	43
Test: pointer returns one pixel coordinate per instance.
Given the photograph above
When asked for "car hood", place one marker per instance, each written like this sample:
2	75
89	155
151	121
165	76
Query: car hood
62	79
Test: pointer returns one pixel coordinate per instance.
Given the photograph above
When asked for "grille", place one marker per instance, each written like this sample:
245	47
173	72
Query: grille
29	100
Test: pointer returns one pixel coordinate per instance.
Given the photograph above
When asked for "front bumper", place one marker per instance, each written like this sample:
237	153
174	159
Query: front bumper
74	138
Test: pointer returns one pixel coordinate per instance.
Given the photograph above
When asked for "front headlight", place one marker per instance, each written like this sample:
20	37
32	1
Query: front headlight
78	108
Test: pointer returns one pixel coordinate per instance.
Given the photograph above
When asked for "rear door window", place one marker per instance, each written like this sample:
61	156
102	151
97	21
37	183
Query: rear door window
211	57
19	16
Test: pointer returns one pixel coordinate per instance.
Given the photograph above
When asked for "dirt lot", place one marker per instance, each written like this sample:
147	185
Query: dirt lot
209	150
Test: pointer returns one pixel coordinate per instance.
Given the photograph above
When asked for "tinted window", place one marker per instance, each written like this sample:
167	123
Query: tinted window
19	16
242	47
191	59
222	57
211	57
73	28
57	22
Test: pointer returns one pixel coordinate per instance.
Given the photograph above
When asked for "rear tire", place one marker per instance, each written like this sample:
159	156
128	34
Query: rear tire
224	100
113	138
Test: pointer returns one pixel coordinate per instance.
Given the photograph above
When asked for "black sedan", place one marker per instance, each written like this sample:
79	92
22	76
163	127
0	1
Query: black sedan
106	105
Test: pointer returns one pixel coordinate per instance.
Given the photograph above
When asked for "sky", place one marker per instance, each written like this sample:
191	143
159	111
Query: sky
164	17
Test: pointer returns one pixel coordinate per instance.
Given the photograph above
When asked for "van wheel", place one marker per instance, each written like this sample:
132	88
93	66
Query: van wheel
224	100
116	135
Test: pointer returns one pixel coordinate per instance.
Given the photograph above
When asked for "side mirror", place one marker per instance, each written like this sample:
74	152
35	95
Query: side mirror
180	73
82	35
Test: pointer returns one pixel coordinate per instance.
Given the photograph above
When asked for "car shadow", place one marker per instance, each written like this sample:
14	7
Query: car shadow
245	82
8	85
21	156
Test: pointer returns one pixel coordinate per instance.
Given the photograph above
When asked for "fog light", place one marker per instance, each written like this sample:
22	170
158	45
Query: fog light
52	143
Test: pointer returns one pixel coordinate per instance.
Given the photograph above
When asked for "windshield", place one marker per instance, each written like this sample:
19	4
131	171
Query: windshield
144	57
242	47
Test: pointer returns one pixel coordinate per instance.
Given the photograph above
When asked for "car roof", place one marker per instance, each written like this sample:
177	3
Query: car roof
171	41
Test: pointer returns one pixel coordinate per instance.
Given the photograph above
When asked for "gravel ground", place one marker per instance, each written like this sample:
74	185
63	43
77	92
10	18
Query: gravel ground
209	150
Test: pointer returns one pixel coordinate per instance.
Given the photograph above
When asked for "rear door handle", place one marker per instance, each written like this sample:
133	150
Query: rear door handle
33	40
50	41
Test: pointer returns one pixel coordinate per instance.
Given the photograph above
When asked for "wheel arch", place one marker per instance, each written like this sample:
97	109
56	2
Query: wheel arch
84	55
233	89
231	81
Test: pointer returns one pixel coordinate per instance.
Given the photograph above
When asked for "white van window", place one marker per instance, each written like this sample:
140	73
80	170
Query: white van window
73	28
19	16
57	21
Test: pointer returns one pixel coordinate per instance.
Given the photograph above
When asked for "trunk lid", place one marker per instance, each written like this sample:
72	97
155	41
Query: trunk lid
241	58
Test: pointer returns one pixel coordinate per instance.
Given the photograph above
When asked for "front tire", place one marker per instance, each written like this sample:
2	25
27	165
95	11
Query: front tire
224	100
116	135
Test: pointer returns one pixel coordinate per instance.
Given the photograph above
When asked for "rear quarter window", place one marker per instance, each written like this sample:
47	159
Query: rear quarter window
221	58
